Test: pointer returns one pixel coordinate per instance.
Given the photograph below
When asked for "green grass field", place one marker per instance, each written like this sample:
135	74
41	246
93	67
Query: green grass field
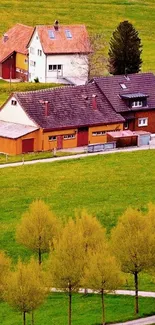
98	15
86	310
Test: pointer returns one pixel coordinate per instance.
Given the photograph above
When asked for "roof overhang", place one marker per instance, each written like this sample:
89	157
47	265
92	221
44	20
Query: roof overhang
134	95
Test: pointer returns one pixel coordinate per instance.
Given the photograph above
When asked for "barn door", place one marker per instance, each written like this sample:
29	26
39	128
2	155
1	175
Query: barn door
82	137
59	142
27	145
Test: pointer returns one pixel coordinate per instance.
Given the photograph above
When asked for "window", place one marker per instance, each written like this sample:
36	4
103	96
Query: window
137	103
32	63
69	136
26	61
40	52
32	51
68	34
37	37
52	138
126	125
96	133
51	34
143	121
13	102
54	67
123	86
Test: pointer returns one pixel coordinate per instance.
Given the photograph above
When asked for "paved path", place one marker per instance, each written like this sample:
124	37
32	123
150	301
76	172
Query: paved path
77	156
140	321
132	293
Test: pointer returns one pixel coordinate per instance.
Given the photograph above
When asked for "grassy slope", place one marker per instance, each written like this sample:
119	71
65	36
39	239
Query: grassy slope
105	185
86	310
98	15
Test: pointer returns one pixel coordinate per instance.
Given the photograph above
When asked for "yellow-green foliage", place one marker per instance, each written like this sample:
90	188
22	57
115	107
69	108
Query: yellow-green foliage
38	228
4	269
25	287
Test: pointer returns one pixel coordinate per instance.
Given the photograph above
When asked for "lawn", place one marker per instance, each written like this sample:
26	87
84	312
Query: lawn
86	310
99	16
105	185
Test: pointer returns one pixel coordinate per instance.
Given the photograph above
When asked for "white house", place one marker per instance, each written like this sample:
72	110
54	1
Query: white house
59	54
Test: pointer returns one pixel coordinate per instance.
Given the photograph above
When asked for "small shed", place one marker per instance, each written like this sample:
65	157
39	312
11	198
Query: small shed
143	138
125	138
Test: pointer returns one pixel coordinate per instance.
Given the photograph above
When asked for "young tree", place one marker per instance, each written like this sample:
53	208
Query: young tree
66	262
91	229
25	288
125	50
38	228
132	244
4	269
103	273
92	232
94	63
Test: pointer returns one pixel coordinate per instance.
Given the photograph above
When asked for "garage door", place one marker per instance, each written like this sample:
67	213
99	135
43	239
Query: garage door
27	145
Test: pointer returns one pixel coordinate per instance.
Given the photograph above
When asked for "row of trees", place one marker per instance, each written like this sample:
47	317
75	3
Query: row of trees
80	255
124	55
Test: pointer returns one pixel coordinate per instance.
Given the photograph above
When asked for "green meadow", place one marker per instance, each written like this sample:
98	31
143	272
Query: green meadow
86	310
99	16
105	185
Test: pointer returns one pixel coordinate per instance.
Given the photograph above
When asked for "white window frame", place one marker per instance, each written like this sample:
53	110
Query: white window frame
98	133
52	138
137	103
56	69
13	102
143	121
32	50
39	52
32	63
69	136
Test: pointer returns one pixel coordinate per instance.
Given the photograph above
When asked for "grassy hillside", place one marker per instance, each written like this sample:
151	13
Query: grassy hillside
98	15
105	185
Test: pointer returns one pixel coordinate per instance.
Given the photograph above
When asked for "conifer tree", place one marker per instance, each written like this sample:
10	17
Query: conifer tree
125	50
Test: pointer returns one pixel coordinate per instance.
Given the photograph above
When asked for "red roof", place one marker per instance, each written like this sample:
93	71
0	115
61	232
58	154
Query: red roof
67	39
18	38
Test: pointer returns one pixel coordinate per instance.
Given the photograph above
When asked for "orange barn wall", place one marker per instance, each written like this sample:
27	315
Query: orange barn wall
37	141
67	143
106	128
8	146
14	146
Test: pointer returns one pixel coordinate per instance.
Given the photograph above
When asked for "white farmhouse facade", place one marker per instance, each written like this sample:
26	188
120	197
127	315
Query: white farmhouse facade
59	54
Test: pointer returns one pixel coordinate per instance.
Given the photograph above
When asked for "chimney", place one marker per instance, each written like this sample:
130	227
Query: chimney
46	103
5	37
56	25
94	102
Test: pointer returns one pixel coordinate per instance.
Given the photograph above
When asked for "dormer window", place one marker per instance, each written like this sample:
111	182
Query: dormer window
13	102
123	86
137	103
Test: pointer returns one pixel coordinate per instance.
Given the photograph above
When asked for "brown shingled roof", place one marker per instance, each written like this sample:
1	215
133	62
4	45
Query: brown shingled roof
143	83
78	43
68	107
18	38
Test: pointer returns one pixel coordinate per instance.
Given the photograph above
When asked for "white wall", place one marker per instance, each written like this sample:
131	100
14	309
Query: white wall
39	69
15	114
74	67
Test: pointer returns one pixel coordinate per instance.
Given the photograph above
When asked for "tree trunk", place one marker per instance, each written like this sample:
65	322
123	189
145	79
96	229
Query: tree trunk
32	318
24	318
39	251
103	307
136	292
70	305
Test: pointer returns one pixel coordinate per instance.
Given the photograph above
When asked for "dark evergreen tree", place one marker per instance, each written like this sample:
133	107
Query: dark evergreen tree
125	50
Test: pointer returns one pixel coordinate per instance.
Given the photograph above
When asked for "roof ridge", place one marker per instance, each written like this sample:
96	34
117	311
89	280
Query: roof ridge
47	89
